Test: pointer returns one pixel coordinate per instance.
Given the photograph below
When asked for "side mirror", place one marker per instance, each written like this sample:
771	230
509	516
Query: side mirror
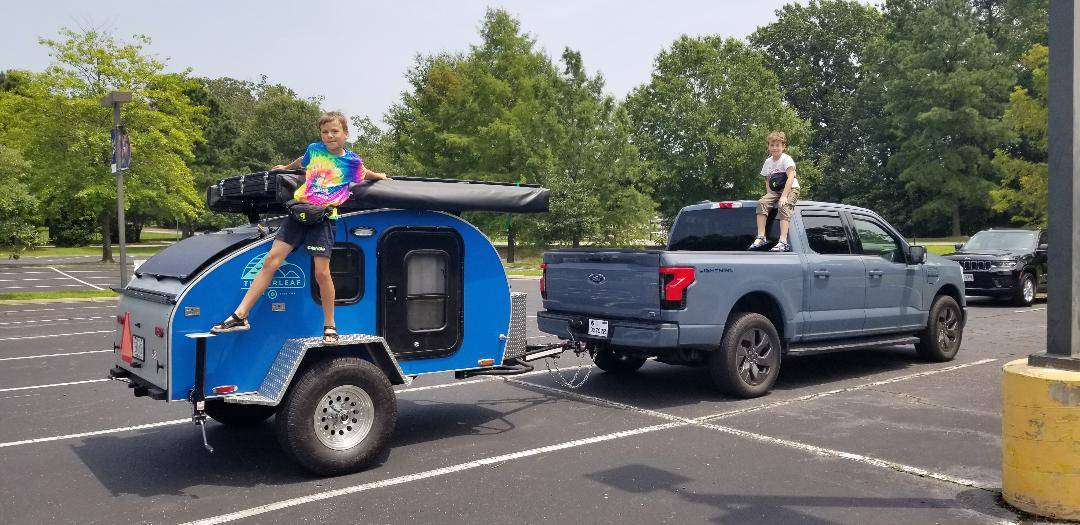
917	254
958	246
1042	247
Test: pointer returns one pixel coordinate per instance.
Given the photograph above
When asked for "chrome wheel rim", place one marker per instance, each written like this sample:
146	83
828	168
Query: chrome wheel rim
752	356
1029	290
343	417
948	321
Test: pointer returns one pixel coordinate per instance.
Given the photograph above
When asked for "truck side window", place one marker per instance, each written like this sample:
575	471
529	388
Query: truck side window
826	234
347	271
425	289
876	240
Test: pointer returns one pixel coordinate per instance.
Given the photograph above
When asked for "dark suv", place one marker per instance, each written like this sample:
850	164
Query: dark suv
1007	264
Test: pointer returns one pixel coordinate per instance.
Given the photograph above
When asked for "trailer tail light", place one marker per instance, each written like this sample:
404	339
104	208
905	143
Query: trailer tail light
674	281
543	281
224	389
159	331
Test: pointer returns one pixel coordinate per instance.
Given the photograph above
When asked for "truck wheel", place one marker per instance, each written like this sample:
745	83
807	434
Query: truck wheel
338	416
1025	295
236	415
748	361
940	340
609	361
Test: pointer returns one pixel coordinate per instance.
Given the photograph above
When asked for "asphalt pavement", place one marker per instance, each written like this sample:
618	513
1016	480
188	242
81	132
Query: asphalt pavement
872	436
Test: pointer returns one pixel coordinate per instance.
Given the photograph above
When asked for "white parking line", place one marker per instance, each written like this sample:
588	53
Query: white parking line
8	312
77	279
56	320
53	385
95	433
54	335
1029	310
52	355
40	286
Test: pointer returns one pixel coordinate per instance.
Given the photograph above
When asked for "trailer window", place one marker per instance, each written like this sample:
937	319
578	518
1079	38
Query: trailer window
425	289
347	271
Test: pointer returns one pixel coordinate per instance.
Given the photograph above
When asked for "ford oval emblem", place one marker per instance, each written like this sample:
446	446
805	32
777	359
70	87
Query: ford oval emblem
597	278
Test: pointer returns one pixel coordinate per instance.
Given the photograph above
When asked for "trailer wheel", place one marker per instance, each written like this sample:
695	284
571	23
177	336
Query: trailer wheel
338	416
748	361
608	361
234	415
941	338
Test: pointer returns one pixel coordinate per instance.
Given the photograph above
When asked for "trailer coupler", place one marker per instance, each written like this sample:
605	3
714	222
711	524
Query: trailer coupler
196	395
519	365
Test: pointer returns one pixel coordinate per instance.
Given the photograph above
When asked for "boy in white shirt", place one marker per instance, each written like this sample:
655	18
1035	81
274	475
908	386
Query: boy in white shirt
781	189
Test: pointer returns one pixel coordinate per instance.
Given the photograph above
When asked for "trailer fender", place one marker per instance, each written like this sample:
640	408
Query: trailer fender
294	352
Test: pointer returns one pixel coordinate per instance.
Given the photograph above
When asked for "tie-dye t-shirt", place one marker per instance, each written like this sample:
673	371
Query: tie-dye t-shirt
327	177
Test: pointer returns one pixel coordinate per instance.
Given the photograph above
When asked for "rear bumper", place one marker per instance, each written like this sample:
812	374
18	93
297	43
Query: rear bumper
621	332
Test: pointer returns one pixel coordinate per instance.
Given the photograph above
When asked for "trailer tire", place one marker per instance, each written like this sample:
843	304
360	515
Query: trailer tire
748	361
235	415
330	441
944	331
608	361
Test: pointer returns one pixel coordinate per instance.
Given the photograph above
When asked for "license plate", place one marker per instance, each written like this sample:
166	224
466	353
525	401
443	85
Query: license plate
598	327
968	277
138	348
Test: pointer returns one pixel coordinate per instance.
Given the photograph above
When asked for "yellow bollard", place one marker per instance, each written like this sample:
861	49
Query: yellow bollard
1040	440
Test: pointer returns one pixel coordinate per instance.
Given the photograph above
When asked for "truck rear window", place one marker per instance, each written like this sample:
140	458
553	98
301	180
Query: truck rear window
717	229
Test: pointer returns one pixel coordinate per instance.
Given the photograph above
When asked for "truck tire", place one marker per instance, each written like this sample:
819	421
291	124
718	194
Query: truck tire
940	340
235	415
1025	294
338	416
748	361
609	361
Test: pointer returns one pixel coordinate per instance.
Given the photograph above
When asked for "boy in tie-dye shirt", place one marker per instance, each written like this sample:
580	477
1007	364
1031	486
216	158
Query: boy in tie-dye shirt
330	170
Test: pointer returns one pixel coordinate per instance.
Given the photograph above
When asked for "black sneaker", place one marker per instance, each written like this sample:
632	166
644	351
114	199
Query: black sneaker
233	323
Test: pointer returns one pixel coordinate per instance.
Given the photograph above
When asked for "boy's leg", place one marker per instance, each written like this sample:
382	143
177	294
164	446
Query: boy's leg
278	251
319	242
326	288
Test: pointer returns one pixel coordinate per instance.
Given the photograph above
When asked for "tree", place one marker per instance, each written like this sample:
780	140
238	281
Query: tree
817	52
18	207
63	130
945	87
702	119
1023	164
1013	25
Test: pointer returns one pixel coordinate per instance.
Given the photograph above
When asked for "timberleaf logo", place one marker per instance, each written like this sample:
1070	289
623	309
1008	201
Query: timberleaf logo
288	276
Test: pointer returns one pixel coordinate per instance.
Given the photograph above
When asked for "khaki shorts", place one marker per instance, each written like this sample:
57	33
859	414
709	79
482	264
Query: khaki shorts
770	199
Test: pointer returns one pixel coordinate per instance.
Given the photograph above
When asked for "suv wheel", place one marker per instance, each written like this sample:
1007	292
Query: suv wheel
1025	294
748	361
940	340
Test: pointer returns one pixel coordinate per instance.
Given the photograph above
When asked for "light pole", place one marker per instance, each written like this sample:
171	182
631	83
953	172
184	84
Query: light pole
114	99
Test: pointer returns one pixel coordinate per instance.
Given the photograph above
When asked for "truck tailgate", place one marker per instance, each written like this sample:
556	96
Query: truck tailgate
612	283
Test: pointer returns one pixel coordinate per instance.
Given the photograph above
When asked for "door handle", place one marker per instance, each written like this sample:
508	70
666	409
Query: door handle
821	274
391	293
875	273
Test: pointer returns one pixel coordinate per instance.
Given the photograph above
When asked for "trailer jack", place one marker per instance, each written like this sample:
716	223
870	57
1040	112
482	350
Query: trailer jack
196	395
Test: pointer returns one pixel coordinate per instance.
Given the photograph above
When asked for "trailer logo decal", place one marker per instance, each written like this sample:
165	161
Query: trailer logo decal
288	277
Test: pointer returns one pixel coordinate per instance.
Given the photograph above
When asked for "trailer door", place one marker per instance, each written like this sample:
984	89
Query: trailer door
420	275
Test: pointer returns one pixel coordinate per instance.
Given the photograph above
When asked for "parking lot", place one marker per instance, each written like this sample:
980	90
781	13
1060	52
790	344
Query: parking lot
871	436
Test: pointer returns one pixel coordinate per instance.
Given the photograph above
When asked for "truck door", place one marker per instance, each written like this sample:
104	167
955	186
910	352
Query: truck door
835	278
893	287
420	276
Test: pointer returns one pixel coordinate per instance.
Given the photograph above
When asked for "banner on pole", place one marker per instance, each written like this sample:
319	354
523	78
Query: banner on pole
121	147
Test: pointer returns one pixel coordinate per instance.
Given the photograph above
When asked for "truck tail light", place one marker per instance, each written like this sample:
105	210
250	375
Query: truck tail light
727	204
674	281
543	281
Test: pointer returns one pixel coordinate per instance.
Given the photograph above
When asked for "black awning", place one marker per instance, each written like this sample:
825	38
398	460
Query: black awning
259	196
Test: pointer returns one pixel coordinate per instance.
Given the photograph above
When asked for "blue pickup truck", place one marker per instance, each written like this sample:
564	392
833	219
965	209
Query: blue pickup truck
851	281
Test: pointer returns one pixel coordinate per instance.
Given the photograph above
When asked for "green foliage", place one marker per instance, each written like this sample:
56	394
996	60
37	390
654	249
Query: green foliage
18	208
702	120
817	52
1023	164
945	89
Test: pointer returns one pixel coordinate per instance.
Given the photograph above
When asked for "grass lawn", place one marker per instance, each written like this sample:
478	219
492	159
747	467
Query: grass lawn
149	236
63	294
132	250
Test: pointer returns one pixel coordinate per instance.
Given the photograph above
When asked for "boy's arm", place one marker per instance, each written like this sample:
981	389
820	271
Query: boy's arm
290	166
373	175
787	185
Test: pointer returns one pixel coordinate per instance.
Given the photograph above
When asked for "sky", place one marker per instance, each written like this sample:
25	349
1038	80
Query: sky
355	54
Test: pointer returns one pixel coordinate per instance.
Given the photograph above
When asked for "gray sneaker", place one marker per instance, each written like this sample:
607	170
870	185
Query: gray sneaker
781	247
759	241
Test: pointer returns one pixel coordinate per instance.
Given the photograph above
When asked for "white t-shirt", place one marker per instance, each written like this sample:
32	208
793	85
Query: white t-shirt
779	166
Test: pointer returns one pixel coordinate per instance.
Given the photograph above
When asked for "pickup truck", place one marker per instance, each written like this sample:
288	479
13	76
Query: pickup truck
851	281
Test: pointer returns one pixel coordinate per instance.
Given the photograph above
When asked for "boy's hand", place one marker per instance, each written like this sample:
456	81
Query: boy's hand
280	167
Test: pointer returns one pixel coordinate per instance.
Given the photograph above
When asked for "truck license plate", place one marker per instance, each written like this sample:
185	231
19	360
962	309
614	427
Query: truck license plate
138	348
968	278
598	327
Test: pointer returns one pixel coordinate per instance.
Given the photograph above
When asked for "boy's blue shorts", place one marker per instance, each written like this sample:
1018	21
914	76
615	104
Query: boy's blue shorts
318	239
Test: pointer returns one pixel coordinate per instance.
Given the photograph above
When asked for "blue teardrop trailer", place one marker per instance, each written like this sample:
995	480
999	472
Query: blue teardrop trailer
419	291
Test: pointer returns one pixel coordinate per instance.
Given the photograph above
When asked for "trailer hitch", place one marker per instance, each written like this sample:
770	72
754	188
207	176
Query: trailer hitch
197	396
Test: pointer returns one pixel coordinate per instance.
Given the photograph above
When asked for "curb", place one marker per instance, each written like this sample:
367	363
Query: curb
15	302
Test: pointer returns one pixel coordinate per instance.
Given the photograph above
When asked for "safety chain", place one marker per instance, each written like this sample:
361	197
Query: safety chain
557	373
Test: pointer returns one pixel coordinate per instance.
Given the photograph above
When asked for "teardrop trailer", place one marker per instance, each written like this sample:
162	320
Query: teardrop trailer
419	291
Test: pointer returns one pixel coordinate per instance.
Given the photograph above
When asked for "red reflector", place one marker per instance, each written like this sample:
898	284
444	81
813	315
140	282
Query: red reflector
543	281
159	331
125	338
224	389
675	285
